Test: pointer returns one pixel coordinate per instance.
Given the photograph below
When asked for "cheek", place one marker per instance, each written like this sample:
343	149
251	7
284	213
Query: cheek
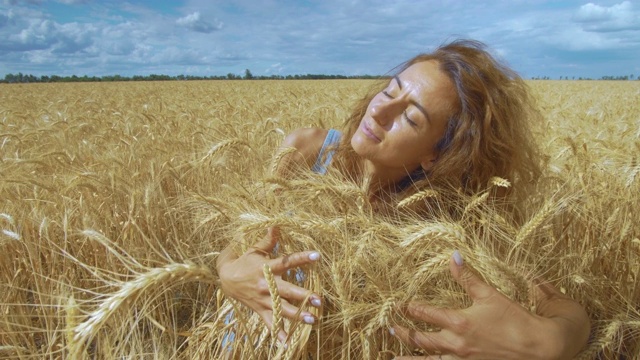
411	147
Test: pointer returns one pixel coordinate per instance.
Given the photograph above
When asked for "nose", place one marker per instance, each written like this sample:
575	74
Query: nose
386	110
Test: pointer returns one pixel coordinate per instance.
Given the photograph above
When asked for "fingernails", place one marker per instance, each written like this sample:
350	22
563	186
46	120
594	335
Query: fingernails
457	258
308	319
314	256
316	302
392	332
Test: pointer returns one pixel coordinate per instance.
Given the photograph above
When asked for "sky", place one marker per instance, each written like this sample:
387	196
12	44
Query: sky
285	37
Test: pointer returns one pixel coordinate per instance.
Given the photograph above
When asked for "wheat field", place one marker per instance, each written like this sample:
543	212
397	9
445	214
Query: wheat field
117	198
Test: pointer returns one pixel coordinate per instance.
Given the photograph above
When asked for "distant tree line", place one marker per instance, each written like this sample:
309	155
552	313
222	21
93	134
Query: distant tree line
28	78
623	77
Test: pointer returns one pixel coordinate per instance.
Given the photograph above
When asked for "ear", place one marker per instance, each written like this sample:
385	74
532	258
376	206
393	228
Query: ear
428	162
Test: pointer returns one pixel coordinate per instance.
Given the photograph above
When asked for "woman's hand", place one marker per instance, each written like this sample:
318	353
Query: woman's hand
242	278
495	327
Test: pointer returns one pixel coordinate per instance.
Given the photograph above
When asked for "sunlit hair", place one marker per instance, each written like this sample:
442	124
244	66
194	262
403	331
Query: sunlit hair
488	135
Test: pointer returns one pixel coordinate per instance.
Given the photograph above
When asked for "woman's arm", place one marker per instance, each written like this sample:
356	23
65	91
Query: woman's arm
495	327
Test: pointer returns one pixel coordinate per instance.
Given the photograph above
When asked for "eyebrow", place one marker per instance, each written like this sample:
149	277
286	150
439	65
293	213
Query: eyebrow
415	103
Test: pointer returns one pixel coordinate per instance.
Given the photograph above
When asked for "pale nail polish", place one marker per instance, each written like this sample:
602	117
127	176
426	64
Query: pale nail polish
314	256
309	319
392	332
457	258
316	302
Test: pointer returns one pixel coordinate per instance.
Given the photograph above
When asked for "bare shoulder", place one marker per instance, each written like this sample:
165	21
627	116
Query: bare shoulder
307	142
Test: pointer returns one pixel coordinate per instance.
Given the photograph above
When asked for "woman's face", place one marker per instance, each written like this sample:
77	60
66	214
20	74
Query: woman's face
405	121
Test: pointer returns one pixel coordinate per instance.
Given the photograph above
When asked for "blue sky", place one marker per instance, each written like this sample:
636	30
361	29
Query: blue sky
348	37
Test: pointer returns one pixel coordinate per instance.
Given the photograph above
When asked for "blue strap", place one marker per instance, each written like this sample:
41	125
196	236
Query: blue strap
326	152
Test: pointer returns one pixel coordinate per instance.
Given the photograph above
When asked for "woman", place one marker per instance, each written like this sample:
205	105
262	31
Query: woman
456	118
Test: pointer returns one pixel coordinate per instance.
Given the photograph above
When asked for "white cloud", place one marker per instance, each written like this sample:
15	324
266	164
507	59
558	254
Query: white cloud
617	17
195	22
593	12
274	69
39	34
122	38
576	39
73	37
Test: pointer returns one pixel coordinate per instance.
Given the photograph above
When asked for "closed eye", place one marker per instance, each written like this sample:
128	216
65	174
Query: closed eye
404	113
411	122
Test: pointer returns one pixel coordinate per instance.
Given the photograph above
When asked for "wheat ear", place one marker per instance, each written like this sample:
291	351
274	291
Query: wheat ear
475	203
499	182
132	289
450	231
71	310
278	158
424	194
222	145
382	319
530	227
275	299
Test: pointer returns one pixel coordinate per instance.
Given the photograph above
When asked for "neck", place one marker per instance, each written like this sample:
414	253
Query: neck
381	179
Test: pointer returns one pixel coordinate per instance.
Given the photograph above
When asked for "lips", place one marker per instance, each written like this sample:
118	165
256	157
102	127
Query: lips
369	133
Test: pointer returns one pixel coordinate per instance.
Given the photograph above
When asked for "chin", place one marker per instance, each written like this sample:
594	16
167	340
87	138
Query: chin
357	143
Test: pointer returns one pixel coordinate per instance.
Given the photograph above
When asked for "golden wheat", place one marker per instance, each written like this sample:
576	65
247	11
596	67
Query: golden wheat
168	174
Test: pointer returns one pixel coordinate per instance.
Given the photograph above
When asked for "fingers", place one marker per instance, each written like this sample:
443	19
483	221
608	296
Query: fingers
293	313
293	292
470	282
282	336
284	263
290	293
268	242
267	317
290	312
544	291
442	318
428	341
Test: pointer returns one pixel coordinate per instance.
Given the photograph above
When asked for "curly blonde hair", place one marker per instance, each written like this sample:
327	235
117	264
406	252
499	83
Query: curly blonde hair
488	135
